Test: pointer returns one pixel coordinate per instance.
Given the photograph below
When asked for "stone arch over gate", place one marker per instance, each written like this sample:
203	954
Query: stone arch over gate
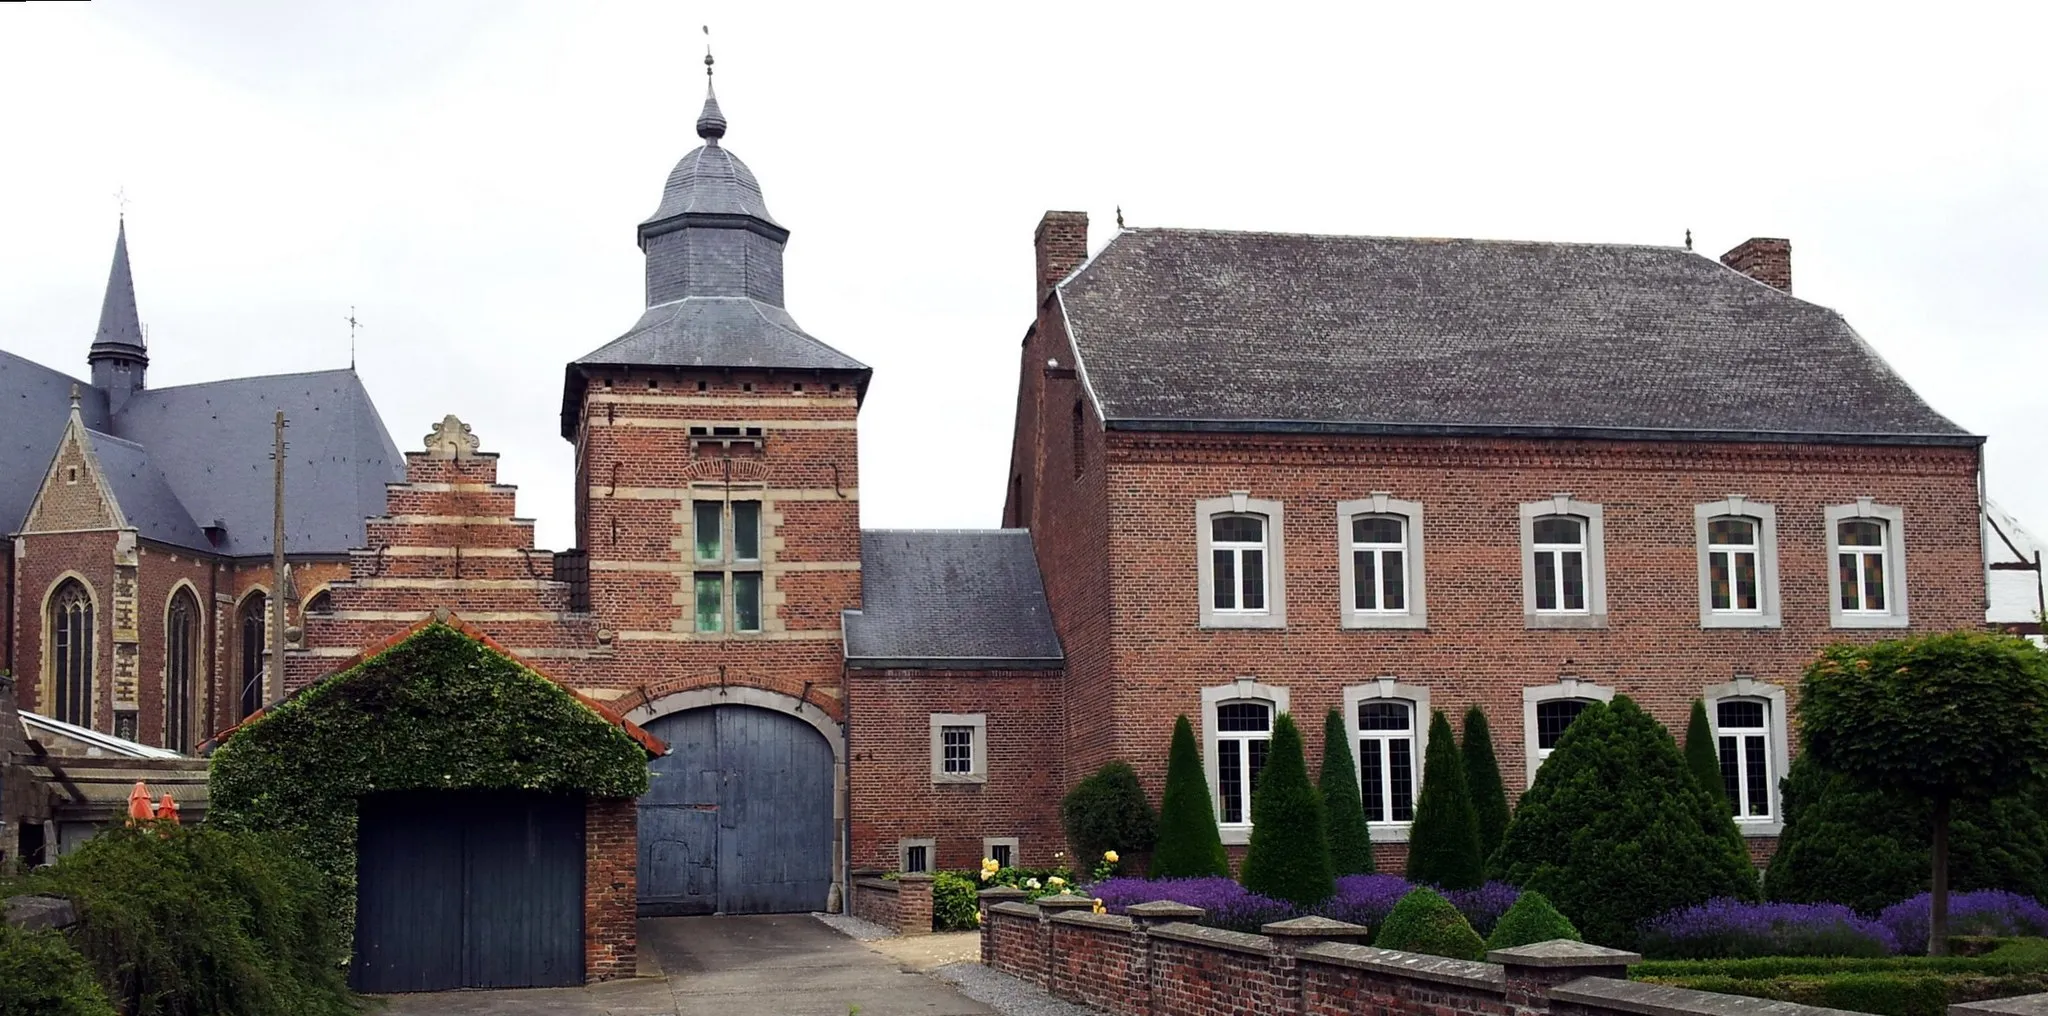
747	811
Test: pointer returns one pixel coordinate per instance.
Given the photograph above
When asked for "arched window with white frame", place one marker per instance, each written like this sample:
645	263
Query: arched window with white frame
1866	580
1241	562
1388	724
1237	731
1380	561
1560	565
1564	582
1549	710
1738	562
1748	719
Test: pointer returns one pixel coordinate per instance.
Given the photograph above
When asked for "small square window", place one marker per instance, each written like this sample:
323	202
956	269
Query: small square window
956	745
959	748
652	384
746	386
796	386
703	386
1003	850
915	855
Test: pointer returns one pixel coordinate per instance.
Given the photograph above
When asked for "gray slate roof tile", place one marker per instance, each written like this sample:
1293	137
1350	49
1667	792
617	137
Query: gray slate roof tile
145	498
720	331
1180	327
35	406
970	599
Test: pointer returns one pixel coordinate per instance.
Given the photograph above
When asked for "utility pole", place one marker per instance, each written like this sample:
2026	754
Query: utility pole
278	613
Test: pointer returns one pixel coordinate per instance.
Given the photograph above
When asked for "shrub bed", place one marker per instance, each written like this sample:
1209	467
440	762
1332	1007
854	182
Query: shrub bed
41	974
1985	912
1425	922
1726	928
1889	986
1360	899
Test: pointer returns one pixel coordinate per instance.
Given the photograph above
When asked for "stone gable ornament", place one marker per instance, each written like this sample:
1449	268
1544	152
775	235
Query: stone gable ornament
451	439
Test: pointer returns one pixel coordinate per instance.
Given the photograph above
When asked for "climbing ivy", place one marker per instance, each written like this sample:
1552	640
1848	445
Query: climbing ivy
437	710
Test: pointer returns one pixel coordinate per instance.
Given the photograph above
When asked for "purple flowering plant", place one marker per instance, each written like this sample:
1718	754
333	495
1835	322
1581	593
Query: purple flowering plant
1728	928
1360	899
1984	912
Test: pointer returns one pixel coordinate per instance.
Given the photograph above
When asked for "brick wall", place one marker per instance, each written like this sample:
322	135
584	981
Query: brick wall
902	904
894	796
611	844
43	560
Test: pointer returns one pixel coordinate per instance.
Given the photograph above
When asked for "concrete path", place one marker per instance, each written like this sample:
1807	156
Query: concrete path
779	965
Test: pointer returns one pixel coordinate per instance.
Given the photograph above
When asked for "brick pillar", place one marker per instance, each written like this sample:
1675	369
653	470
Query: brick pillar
989	898
914	903
1290	937
1766	259
1061	243
611	844
1145	917
1048	908
1532	970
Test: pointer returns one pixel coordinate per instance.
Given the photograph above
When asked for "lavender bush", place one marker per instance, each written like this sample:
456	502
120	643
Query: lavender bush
1727	928
1365	899
1483	906
1984	912
1360	899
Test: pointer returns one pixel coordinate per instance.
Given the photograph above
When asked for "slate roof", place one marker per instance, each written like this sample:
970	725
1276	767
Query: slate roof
35	407
720	331
951	599
1207	329
120	324
146	500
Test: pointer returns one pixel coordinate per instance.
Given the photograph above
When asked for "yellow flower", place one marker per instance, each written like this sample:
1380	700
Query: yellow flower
1099	908
1055	881
1110	856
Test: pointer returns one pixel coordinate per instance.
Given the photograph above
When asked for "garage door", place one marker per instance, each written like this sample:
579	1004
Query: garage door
738	816
456	889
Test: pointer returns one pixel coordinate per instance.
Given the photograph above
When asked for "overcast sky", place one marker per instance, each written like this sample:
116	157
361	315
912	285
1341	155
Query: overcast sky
468	175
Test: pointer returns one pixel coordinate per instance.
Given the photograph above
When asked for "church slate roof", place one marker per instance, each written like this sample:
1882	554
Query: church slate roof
951	599
145	499
35	407
1185	329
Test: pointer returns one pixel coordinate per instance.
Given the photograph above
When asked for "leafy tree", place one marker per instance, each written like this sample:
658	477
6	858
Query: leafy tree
1108	810
1424	922
1350	841
1617	830
40	973
1482	780
1531	920
1443	844
1701	755
1289	856
1189	845
1961	716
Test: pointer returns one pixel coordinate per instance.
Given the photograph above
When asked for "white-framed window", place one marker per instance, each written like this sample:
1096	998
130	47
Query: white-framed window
1242	562
726	536
1548	710
917	855
1237	731
1866	573
1564	564
1738	563
1379	539
1003	850
959	747
1388	722
1748	718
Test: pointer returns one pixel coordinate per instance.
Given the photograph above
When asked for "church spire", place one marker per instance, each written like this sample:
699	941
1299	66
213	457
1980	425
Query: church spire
119	355
711	122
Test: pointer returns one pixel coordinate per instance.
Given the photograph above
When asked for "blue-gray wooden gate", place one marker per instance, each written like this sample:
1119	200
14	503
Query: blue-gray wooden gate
737	818
460	889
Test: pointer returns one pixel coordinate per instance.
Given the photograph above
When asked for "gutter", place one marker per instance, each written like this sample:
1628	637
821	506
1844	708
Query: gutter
955	663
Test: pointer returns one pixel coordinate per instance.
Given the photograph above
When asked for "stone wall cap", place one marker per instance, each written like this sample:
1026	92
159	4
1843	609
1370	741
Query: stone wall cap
1315	927
885	885
1064	901
1440	969
1014	909
1235	941
914	876
2019	1005
1109	922
1002	892
1165	910
1563	952
1608	994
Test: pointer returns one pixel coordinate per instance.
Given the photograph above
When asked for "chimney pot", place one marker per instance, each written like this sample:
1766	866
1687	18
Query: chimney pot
1764	258
1062	244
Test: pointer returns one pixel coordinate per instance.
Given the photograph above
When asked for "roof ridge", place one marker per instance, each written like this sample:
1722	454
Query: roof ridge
1503	241
252	377
117	439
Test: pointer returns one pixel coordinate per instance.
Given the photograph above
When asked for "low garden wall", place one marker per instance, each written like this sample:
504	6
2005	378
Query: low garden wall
902	904
1156	962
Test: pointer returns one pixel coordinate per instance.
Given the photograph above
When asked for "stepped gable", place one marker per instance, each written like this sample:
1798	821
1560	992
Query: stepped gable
449	540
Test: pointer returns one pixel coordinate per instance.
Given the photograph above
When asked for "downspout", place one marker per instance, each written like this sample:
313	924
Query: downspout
846	806
13	605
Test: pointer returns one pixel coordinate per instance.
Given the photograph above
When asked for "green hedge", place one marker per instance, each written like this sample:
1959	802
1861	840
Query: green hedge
956	902
1424	922
1890	993
41	975
439	710
201	922
1531	920
1108	810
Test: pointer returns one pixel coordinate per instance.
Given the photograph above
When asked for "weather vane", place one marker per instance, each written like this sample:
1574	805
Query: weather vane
707	51
353	324
121	201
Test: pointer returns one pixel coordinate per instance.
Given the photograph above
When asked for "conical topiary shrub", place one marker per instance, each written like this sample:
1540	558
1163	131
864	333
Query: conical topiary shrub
1350	841
1482	780
1189	845
1702	757
1617	829
1443	845
1532	919
1425	922
1289	856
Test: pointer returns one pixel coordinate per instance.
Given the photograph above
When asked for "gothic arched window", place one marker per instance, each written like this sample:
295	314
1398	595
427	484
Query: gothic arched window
250	665
70	654
181	666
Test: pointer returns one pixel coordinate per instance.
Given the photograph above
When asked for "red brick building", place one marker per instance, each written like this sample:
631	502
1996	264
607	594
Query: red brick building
1270	473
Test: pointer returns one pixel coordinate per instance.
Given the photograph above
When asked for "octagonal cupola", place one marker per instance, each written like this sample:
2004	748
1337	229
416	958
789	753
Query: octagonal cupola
712	234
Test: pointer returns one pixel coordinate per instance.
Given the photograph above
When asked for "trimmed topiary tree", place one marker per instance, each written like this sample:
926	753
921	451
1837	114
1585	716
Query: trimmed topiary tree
437	708
1617	830
1482	780
1531	920
1961	716
1424	922
1189	845
1108	810
1350	841
1702	756
1289	856
1443	844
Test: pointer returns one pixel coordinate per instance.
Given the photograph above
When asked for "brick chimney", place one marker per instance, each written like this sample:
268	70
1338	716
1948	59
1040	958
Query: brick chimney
1766	259
1062	244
